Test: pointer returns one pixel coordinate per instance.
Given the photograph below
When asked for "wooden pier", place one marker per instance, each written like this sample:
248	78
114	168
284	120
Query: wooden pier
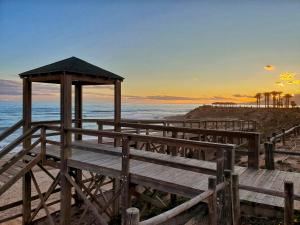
187	158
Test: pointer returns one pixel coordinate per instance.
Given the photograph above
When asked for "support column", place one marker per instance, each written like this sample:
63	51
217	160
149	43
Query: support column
26	182
66	122
117	141
78	137
117	116
78	109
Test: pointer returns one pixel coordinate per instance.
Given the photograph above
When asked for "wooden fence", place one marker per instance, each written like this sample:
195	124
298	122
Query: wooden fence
270	146
249	140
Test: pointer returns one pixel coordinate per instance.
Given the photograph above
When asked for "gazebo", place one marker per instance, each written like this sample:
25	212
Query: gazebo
67	72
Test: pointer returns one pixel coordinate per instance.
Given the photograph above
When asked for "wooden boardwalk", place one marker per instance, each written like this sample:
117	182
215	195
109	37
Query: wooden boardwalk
106	159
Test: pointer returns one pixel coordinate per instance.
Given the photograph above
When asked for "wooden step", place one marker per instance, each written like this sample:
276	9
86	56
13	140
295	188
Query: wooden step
13	170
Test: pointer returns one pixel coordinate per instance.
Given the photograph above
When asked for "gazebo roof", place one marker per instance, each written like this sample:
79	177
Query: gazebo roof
72	65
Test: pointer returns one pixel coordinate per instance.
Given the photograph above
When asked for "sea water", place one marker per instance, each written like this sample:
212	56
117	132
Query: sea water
11	112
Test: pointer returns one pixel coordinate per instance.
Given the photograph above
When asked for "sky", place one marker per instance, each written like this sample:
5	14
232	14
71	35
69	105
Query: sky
168	51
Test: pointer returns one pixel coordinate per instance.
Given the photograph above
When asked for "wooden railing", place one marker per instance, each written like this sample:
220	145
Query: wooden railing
11	130
270	146
247	142
229	189
234	125
288	195
249	139
227	161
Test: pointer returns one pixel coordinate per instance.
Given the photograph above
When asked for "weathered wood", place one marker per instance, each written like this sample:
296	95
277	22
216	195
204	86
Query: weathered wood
117	111
229	159
66	122
220	170
86	200
253	153
236	200
11	130
212	201
228	197
100	138
27	107
42	199
132	216
43	143
161	218
125	179
288	203
78	109
269	155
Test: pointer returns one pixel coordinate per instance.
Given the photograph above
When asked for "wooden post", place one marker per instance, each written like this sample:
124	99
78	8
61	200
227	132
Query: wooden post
212	201
269	155
43	143
253	151
26	181
220	170
228	197
78	110
125	178
236	200
133	216
137	143
100	128
78	137
66	122
288	203
117	115
229	159
174	148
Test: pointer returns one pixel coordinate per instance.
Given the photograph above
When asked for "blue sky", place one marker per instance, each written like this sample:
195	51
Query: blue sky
196	49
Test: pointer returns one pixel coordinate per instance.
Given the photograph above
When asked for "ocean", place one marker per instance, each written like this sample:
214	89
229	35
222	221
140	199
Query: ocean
11	112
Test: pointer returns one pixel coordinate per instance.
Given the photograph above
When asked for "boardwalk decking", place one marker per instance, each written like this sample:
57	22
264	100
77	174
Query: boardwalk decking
106	159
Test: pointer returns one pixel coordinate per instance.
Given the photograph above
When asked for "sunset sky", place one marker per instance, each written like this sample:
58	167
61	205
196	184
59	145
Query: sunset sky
168	51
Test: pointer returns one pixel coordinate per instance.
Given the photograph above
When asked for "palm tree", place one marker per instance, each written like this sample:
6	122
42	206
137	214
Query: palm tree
267	99
258	97
287	98
274	94
279	100
293	104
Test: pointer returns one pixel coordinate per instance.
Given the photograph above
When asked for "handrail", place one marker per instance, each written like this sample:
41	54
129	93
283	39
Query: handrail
140	137
18	141
161	218
185	129
273	139
11	129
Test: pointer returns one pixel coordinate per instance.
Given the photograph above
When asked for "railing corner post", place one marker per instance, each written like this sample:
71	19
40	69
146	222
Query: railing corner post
288	203
132	216
236	200
212	201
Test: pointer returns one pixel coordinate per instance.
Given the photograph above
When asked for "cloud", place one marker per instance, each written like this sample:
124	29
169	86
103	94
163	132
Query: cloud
269	67
14	88
242	96
175	98
11	88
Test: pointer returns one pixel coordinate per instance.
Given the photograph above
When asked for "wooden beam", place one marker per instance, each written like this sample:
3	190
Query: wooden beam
66	122
78	137
125	179
78	109
117	113
27	106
